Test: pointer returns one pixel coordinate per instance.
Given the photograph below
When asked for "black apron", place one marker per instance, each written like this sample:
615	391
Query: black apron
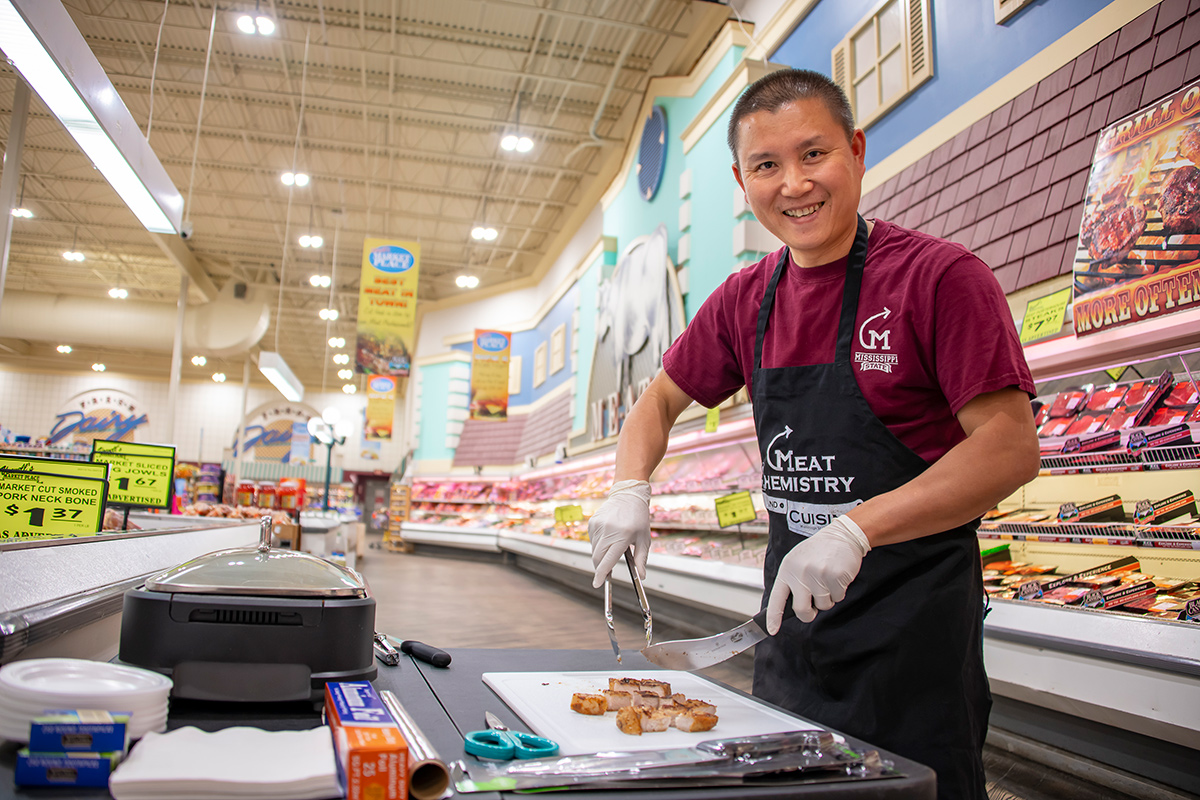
899	662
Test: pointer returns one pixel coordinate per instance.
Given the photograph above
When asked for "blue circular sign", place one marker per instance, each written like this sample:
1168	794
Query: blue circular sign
382	384
492	342
390	258
652	154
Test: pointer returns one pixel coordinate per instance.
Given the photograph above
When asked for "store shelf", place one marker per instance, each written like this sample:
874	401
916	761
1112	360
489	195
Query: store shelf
1155	458
64	453
1100	533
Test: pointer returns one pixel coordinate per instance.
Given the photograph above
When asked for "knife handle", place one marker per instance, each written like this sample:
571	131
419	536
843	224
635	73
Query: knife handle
760	618
426	653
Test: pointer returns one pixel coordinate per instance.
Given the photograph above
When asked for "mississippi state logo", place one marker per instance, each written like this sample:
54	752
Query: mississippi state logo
874	340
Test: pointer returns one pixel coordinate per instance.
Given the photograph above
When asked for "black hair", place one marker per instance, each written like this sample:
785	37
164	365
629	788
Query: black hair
772	92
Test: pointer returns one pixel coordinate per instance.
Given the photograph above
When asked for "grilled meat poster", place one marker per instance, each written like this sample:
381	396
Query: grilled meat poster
1139	239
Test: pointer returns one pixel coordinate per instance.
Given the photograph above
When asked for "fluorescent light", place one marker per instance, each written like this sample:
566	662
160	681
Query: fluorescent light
276	370
199	361
337	341
64	348
345	374
301	179
245	23
219	377
509	142
320	280
23	213
341	358
266	25
349	388
466	281
36	35
117	293
524	144
99	367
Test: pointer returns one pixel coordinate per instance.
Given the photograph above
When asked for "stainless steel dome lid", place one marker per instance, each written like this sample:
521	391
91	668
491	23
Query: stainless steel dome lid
261	571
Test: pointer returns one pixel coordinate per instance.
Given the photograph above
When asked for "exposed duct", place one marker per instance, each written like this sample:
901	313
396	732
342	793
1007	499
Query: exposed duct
226	326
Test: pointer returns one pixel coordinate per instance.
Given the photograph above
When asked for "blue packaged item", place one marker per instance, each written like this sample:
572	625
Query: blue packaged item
79	730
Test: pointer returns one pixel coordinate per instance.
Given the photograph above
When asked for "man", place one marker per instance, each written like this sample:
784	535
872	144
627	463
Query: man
891	404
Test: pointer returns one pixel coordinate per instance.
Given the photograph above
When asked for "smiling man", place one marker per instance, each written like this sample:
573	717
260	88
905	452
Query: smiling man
891	404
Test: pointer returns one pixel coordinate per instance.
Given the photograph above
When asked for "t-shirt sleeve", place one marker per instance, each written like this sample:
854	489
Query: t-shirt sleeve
703	361
978	350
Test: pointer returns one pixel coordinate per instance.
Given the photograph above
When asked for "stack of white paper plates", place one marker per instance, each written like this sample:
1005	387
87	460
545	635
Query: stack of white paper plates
29	689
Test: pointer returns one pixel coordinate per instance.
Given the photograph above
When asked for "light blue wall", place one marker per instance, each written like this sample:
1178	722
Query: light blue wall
435	394
971	52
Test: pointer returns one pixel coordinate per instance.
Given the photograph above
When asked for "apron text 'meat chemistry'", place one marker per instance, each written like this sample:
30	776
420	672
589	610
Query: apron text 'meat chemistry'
898	663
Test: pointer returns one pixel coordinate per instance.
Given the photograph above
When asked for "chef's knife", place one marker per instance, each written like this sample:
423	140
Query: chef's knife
689	654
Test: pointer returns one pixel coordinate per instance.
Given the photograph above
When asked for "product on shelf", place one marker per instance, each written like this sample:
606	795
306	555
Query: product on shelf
1068	402
1106	398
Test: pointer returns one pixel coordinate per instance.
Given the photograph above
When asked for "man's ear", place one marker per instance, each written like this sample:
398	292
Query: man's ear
737	176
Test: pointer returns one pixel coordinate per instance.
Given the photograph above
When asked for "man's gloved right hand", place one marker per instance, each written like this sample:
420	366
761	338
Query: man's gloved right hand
622	520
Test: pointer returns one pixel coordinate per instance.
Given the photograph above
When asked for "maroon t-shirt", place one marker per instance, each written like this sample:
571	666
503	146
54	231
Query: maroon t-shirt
933	331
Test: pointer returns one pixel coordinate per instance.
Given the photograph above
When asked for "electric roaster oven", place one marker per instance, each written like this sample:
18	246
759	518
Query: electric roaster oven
252	624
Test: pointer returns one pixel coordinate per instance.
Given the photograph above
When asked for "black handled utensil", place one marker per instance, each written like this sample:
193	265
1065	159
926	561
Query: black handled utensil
426	653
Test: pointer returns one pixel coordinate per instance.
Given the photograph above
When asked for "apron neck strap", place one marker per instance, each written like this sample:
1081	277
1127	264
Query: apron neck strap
854	270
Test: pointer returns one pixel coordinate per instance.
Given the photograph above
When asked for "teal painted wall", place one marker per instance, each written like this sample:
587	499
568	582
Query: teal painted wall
435	393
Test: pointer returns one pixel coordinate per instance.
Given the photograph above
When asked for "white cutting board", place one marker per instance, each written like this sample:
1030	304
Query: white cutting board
543	701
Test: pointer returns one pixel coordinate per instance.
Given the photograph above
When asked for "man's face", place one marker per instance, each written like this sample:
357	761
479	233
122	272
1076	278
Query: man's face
802	178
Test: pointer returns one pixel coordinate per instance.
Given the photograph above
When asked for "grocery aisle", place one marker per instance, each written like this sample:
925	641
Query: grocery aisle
473	602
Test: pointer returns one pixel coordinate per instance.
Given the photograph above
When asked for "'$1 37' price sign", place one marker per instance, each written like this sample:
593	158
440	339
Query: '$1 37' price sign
36	506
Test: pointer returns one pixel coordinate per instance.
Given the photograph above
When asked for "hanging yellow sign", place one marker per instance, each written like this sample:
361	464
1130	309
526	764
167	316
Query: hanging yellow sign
387	306
1044	316
381	407
711	420
490	356
735	508
54	466
139	474
37	506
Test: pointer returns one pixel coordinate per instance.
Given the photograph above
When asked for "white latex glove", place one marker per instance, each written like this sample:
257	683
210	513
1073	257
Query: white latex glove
622	520
817	571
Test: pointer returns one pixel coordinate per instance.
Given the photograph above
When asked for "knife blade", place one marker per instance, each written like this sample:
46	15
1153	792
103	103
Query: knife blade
689	654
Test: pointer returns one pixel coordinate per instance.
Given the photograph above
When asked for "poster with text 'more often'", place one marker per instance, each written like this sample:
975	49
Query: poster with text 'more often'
1139	239
387	306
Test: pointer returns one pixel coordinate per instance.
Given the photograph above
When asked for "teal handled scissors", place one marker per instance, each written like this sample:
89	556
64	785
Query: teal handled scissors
500	743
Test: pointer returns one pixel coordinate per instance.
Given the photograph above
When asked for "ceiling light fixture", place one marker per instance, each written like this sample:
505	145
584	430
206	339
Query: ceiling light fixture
199	361
345	374
337	341
328	313
515	140
256	23
117	293
466	281
42	42
479	232
294	179
276	370
349	388
219	377
98	367
321	281
341	358
313	242
73	254
21	211
64	348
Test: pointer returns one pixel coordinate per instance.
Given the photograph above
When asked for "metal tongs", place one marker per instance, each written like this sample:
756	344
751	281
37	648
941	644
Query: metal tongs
641	595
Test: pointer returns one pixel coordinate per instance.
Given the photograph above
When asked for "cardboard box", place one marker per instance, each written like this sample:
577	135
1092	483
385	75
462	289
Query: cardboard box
64	769
82	730
289	531
371	752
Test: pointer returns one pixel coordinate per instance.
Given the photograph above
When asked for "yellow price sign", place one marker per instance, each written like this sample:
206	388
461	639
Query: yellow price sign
139	474
54	466
711	419
735	508
37	506
1044	316
568	514
1116	372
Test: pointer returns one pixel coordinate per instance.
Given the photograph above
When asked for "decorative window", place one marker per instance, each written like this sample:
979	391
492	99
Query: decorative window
885	57
539	365
558	348
1006	8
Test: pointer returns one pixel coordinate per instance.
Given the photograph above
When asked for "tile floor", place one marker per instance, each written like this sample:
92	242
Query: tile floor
469	602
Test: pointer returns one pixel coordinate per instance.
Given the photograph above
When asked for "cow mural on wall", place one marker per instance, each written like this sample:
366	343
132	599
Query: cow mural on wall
639	314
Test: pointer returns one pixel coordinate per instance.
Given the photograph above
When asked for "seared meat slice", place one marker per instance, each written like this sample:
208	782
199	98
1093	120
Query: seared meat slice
1179	201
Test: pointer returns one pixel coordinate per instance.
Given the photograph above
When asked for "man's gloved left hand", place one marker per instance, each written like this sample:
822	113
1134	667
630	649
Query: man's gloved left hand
817	571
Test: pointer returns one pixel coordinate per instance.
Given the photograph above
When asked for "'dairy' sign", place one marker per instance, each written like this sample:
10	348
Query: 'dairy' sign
387	306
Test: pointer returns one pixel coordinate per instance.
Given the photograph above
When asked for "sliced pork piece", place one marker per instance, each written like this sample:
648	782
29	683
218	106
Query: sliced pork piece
694	721
594	705
629	721
617	699
660	688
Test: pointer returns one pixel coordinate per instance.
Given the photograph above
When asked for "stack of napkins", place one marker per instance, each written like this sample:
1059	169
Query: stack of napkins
189	764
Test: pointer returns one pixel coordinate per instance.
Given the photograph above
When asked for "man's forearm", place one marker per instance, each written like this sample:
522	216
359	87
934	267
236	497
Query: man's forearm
643	439
996	458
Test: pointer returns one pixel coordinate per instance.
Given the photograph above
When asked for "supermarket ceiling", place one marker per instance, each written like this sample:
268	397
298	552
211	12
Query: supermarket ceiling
396	109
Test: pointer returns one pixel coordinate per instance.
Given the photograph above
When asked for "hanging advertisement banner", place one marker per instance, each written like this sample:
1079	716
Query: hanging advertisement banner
490	356
387	306
1139	240
381	408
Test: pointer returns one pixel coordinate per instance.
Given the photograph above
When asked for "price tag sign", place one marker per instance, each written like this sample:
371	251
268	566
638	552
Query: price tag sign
711	419
36	506
1044	316
54	466
735	508
139	474
1030	590
1116	372
1191	611
568	514
1093	599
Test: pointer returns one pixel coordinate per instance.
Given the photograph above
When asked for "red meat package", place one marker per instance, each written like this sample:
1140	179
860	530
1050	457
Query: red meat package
1119	420
1182	394
1086	423
1106	398
1169	416
1137	393
1042	415
1068	402
1055	427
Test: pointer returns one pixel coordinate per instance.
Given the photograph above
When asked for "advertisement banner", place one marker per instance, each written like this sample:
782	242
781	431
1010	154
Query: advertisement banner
1139	240
381	408
490	357
387	306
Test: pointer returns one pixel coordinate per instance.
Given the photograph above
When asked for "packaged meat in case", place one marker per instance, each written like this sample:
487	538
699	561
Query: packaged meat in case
1068	402
1106	398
